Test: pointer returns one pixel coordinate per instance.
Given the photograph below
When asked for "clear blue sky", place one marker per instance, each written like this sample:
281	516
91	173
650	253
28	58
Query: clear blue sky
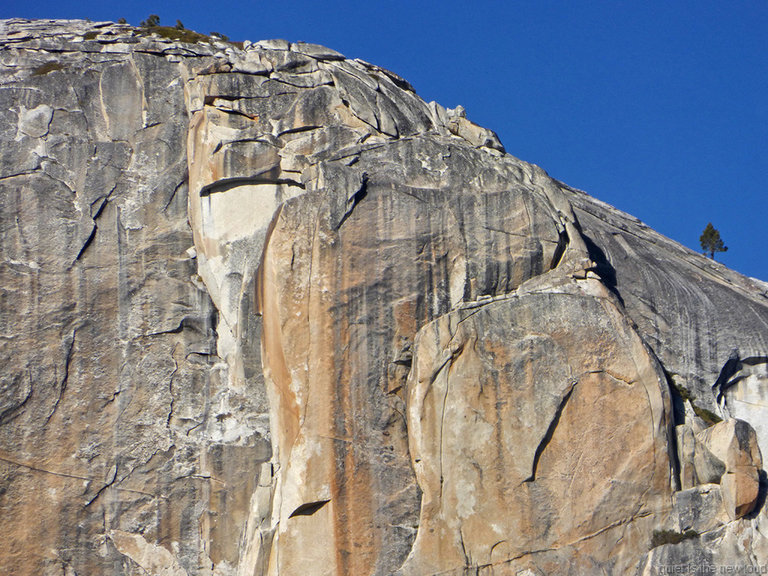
659	108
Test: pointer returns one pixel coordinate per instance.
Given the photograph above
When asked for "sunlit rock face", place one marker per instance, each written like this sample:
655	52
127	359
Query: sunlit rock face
266	312
510	408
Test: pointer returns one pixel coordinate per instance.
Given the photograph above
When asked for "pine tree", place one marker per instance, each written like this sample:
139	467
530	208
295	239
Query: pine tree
151	21
711	241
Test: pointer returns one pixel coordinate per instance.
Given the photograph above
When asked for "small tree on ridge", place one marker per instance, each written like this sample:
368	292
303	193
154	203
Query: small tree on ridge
711	241
151	21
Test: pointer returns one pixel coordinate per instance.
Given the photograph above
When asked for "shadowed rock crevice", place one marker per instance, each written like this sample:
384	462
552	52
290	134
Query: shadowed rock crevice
86	244
729	369
354	200
762	497
550	431
562	246
603	266
101	203
62	385
224	185
677	418
308	509
731	373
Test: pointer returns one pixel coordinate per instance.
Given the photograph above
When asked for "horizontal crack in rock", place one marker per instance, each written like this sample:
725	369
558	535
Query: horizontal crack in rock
309	508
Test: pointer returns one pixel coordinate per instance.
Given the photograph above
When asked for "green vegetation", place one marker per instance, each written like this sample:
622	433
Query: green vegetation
661	537
179	33
47	67
189	36
711	242
709	417
151	21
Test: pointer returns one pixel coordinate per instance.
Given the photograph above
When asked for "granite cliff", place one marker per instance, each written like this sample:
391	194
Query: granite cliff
264	311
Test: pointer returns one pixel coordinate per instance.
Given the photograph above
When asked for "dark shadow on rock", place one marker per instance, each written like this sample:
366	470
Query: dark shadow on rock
678	402
603	267
761	496
678	417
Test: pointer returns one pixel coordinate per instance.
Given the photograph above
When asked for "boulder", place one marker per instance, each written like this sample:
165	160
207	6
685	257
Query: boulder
734	443
538	428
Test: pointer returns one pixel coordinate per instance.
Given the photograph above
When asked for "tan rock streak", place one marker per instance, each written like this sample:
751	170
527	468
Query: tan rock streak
343	294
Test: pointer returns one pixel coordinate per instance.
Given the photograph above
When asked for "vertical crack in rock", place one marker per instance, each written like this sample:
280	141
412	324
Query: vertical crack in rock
175	190
467	560
562	246
550	432
356	198
87	243
65	378
442	426
674	449
111	477
103	203
170	386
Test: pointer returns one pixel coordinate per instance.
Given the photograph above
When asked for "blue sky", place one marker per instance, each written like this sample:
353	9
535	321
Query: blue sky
659	108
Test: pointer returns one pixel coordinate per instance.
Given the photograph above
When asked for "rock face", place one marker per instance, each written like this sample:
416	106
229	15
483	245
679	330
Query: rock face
266	312
538	430
124	439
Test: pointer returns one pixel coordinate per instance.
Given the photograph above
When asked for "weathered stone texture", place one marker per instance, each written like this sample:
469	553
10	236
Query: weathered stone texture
699	317
537	424
122	442
265	311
